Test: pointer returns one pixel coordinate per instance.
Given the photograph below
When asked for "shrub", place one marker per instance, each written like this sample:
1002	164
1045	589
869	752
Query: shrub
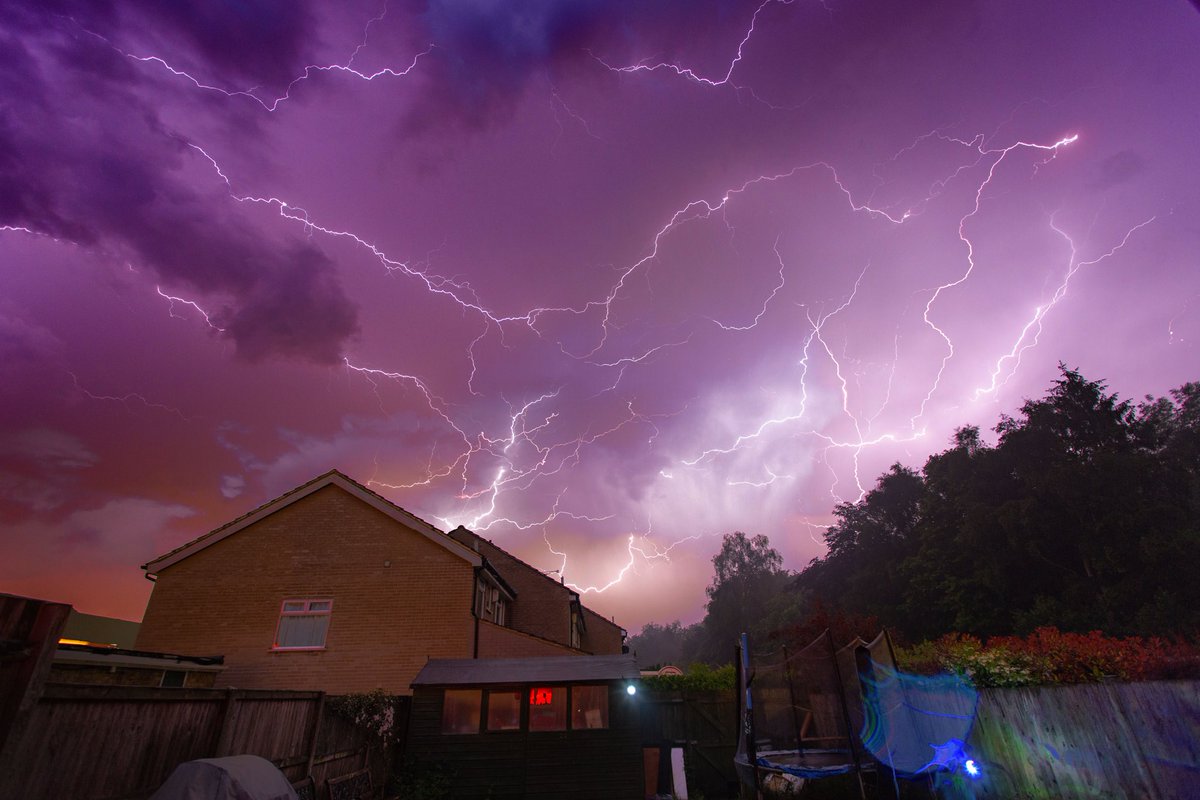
699	677
373	711
1050	656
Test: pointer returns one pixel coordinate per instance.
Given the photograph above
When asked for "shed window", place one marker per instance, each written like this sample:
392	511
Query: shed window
548	708
460	711
504	711
589	707
303	624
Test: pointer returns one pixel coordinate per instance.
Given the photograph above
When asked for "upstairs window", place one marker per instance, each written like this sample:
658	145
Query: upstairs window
303	624
490	603
576	629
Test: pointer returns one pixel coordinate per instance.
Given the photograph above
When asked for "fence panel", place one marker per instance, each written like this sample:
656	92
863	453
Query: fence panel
121	743
704	724
1135	740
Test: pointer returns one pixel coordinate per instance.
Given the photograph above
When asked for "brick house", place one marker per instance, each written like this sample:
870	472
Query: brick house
332	587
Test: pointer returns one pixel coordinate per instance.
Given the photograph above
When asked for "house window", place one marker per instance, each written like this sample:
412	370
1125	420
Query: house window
490	604
576	630
460	710
548	708
303	624
504	711
589	707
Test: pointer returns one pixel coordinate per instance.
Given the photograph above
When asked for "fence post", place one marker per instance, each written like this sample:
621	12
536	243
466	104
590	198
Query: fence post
29	631
229	718
316	732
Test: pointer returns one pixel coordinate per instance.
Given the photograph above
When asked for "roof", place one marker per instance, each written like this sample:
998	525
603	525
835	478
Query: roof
461	532
550	669
101	630
331	478
120	657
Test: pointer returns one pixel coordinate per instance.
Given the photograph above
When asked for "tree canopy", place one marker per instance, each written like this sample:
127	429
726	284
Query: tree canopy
1084	515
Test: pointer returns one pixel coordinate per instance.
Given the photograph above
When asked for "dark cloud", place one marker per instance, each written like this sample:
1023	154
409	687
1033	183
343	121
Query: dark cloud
297	310
264	41
257	42
486	51
1119	168
83	158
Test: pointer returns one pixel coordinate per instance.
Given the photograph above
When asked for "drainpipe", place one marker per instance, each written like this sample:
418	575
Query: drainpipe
474	613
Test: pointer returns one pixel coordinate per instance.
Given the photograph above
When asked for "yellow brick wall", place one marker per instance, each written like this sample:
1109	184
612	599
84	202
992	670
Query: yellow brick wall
386	621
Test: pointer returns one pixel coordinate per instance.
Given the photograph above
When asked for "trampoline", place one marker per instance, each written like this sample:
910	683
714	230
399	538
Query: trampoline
820	712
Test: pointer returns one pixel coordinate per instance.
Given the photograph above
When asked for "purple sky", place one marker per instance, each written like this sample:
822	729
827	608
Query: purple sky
600	280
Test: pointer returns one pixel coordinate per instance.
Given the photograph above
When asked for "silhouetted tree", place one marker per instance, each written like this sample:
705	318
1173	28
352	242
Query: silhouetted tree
747	591
1084	515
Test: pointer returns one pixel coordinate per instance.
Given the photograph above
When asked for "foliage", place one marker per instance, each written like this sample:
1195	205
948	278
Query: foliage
748	582
658	645
1084	515
373	711
698	677
1050	656
843	626
417	780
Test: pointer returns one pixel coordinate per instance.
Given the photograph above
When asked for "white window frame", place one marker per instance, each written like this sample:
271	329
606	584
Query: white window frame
491	602
306	611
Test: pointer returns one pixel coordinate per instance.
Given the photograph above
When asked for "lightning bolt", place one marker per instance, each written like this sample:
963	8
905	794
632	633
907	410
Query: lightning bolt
172	300
633	550
689	73
1034	325
126	398
1000	154
271	104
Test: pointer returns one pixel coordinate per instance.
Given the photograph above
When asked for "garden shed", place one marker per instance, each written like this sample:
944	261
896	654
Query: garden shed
553	727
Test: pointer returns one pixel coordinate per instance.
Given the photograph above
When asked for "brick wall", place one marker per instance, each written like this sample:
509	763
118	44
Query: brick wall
602	637
386	621
499	642
542	607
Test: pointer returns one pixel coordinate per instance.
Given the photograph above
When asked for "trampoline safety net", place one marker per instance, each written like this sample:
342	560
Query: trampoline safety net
820	711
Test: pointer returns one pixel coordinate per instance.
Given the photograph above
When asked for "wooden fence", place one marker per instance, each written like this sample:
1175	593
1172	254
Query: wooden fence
115	742
84	742
1109	740
704	724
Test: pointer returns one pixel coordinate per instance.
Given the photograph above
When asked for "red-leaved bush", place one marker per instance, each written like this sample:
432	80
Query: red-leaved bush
1050	656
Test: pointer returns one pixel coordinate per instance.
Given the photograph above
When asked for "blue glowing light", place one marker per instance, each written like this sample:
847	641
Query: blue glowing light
971	767
631	689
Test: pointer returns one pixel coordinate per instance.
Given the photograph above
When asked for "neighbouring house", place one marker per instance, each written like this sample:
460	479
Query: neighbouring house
333	587
99	650
531	727
93	629
117	666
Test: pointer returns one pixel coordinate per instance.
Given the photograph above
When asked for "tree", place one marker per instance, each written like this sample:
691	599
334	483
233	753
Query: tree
1085	515
748	575
658	645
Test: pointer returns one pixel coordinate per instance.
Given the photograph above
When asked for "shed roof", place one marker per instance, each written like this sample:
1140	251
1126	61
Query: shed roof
551	669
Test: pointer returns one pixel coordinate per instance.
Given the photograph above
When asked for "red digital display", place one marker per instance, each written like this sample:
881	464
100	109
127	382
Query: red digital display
541	697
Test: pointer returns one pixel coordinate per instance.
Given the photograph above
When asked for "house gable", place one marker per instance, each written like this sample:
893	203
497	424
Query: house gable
396	598
331	478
